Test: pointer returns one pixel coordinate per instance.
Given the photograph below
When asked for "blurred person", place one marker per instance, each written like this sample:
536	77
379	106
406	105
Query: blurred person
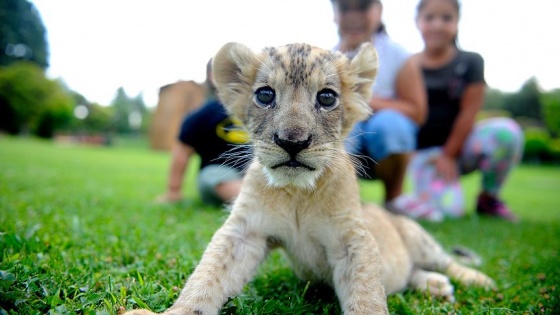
451	143
222	146
384	141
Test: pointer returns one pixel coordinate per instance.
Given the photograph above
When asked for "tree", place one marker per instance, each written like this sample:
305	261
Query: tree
93	119
129	113
526	102
494	99
551	111
22	34
99	118
89	118
30	102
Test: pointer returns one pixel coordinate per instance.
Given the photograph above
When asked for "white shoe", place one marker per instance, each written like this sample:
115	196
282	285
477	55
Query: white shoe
413	207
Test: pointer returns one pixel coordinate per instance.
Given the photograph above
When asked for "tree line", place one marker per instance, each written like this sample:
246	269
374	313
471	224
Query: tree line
31	103
537	111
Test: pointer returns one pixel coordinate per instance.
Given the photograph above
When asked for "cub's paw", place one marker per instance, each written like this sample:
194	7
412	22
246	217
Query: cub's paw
479	279
433	283
470	277
139	312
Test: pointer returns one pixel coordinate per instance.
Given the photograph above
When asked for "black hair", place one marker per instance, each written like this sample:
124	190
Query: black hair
382	29
209	85
365	4
455	4
423	3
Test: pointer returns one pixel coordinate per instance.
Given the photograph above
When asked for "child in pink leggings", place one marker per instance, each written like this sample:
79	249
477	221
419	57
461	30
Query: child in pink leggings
493	148
450	143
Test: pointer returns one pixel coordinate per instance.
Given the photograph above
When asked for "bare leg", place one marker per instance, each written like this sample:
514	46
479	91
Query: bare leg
180	157
391	171
228	191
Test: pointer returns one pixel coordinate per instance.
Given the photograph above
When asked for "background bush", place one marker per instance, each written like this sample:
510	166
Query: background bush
538	114
539	146
32	103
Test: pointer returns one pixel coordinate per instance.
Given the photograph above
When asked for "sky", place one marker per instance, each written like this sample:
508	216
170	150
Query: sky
97	46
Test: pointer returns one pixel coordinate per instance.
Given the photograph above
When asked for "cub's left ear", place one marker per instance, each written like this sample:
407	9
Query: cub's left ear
358	77
363	69
233	71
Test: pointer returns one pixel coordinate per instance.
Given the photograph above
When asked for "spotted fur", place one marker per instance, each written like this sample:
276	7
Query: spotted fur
301	194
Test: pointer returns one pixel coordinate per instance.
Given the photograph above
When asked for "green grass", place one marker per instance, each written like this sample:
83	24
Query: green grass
79	234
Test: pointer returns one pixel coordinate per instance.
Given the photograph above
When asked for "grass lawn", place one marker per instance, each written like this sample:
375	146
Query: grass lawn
79	234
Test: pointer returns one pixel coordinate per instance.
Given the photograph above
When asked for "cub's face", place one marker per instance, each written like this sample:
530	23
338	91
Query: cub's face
297	102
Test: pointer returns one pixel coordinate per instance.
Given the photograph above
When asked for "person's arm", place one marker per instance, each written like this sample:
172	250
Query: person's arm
180	157
471	102
411	95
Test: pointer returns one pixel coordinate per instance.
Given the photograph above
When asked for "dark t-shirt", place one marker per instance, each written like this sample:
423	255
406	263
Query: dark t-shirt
445	88
212	132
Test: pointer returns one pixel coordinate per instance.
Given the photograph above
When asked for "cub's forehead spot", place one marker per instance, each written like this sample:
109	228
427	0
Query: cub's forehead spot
299	64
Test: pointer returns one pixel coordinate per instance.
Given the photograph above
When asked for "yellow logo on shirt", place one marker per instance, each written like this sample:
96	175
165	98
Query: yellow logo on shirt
231	131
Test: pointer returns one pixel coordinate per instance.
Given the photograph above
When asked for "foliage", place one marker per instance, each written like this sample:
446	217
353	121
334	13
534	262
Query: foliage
537	112
81	235
22	34
524	103
97	120
492	113
494	100
124	116
539	146
551	111
129	113
30	102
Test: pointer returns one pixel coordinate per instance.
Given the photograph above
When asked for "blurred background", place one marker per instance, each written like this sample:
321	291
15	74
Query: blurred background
94	71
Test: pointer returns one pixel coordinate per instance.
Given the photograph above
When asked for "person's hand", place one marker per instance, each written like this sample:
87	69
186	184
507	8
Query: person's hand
376	103
446	167
169	197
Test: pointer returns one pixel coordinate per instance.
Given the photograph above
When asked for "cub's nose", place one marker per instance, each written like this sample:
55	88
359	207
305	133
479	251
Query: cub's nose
292	147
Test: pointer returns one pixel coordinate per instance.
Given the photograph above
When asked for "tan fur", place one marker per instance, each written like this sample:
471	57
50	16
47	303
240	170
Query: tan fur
310	206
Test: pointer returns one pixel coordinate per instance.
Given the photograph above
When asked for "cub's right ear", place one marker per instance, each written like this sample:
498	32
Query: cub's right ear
233	72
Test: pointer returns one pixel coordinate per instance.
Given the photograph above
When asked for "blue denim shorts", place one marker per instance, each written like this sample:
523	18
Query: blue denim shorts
385	133
211	176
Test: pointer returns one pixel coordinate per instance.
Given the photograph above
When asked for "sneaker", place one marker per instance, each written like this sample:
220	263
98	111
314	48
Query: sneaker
413	207
492	206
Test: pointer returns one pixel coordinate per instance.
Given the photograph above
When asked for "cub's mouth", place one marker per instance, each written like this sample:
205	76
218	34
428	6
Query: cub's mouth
293	163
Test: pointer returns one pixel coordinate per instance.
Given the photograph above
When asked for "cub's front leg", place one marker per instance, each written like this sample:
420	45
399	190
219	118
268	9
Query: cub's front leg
228	263
356	269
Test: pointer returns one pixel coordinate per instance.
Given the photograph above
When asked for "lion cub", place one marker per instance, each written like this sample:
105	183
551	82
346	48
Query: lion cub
300	193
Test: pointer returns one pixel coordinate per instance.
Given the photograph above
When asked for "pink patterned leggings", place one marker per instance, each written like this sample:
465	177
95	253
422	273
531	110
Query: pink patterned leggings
494	147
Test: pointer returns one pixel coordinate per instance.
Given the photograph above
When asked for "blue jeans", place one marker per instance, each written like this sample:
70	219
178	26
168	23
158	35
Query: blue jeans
384	133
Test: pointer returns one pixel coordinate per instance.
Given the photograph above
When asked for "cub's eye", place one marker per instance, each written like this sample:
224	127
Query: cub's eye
264	96
327	99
